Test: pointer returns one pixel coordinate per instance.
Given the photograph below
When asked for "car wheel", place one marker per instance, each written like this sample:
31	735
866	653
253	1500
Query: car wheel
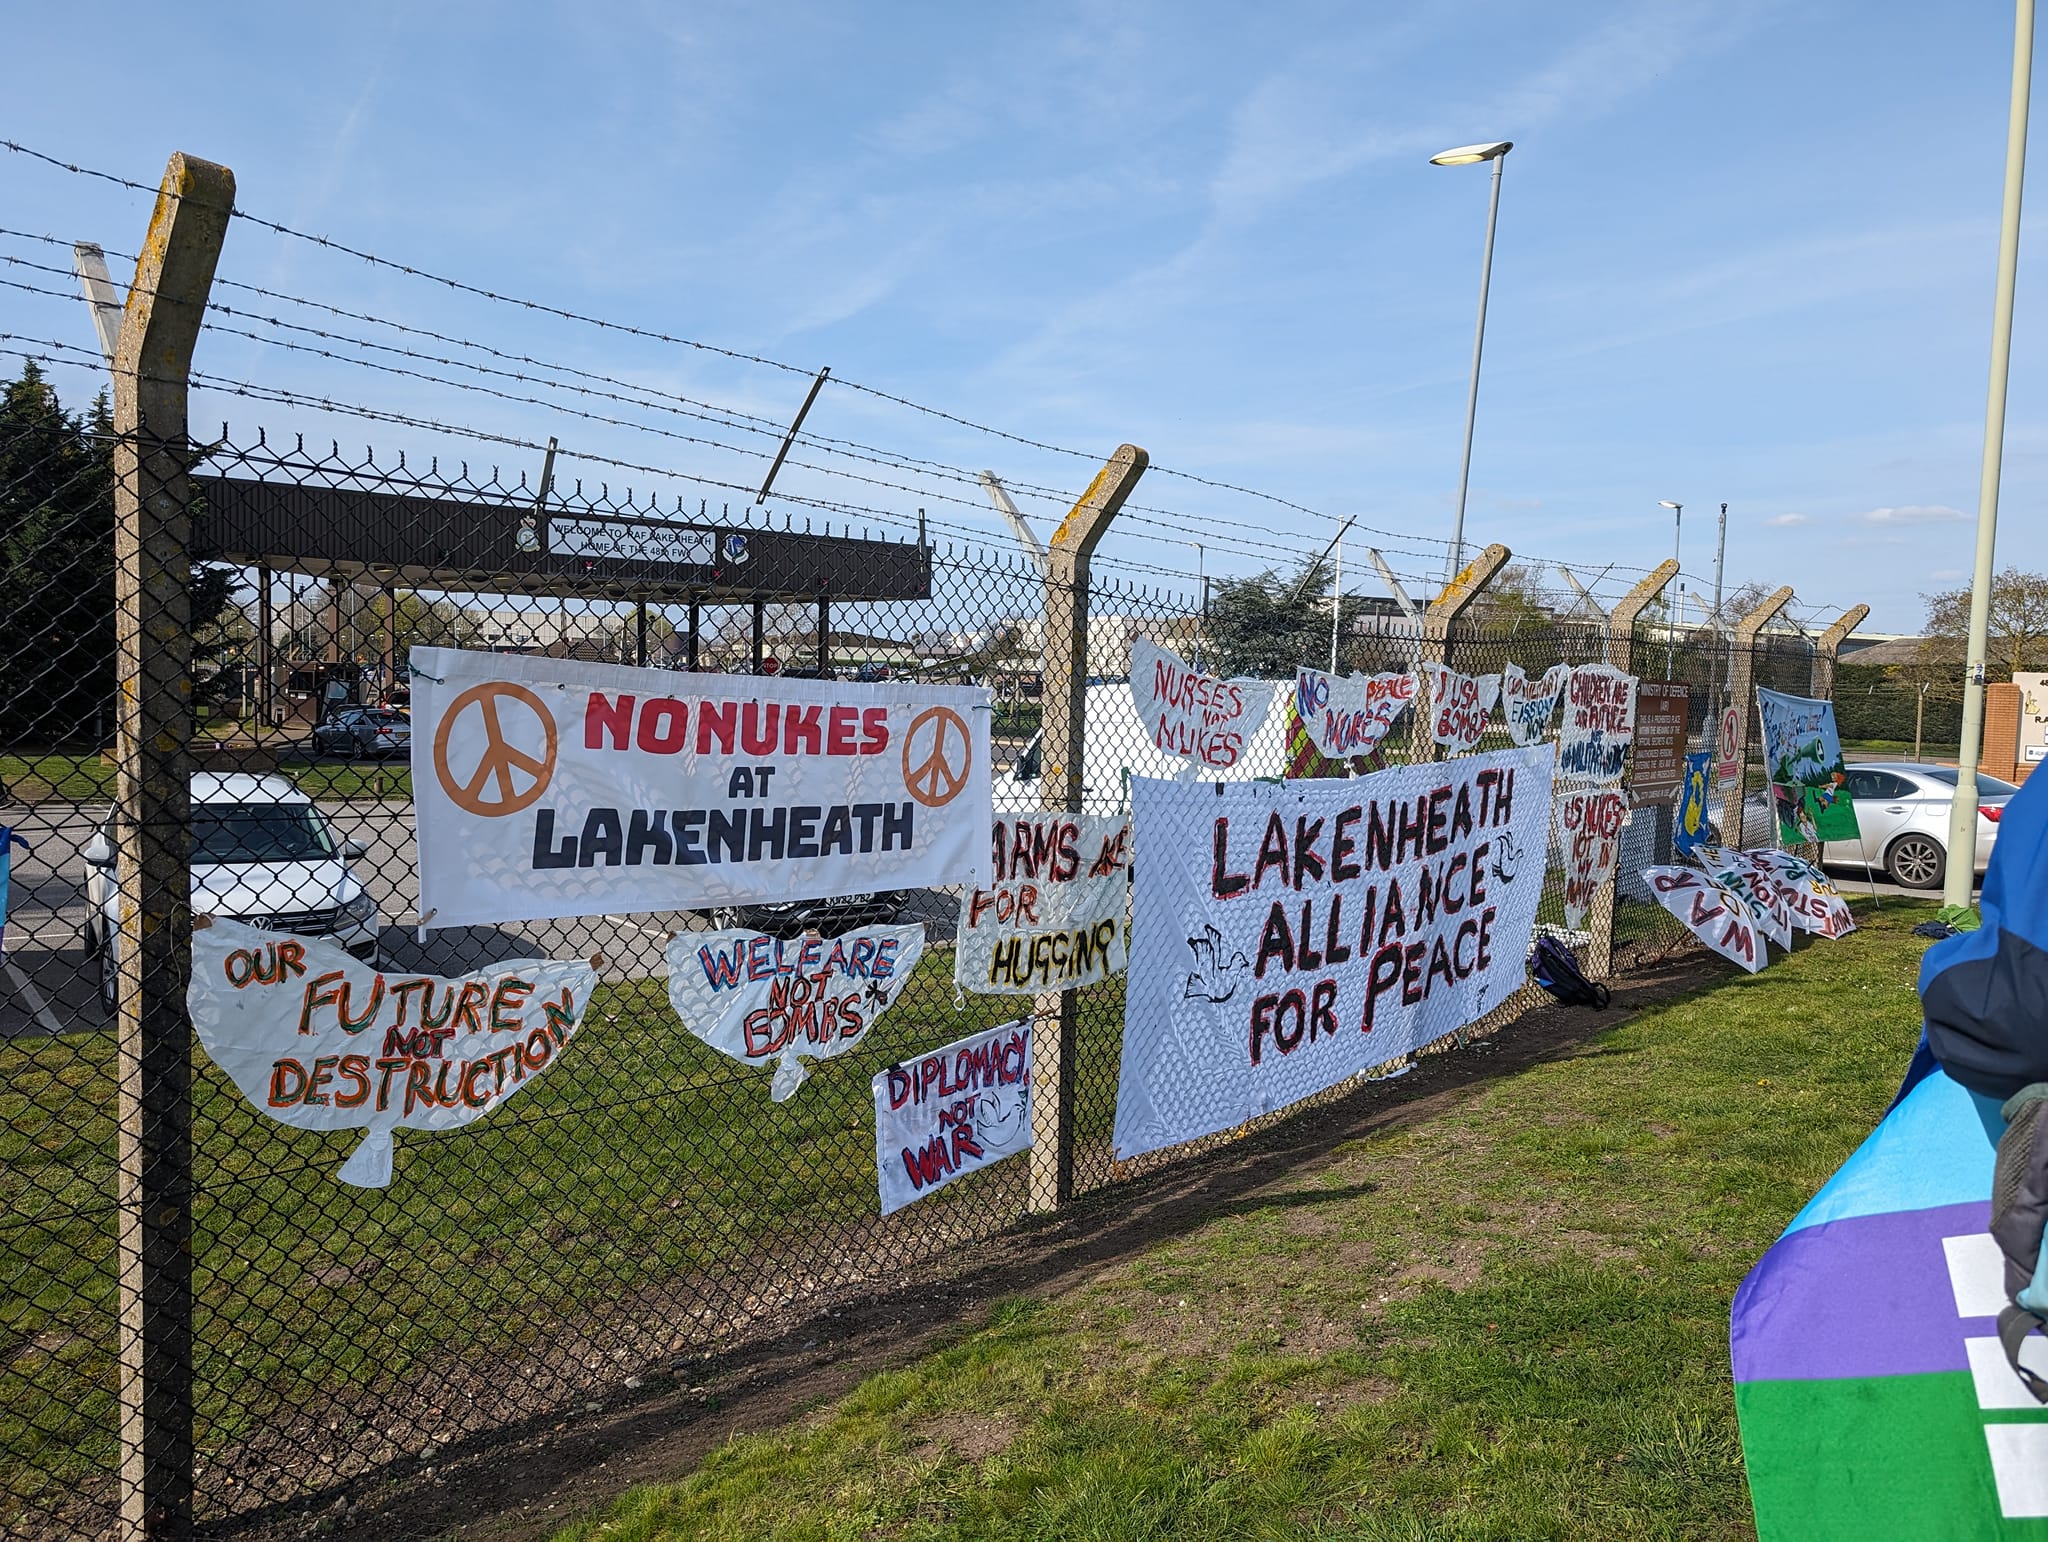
727	918
110	978
1916	862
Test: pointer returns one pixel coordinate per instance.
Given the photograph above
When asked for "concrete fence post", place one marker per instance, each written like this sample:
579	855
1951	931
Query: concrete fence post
153	630
1062	747
1741	683
1821	682
1621	653
1435	646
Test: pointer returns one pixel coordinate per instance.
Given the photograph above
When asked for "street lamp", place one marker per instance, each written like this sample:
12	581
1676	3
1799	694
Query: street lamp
1471	155
1677	514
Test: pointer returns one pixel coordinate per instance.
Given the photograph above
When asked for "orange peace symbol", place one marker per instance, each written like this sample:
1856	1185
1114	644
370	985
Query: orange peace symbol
942	761
500	757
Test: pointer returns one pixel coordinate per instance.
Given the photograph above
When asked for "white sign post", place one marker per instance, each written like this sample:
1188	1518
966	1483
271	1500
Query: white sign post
551	787
1286	936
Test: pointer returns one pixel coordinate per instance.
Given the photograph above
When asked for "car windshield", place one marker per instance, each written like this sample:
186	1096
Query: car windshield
259	832
1987	786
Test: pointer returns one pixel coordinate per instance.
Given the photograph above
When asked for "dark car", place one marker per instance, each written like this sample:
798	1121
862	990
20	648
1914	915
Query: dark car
827	917
360	731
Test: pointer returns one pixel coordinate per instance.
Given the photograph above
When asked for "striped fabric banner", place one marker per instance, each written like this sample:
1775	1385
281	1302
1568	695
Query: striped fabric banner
1873	1395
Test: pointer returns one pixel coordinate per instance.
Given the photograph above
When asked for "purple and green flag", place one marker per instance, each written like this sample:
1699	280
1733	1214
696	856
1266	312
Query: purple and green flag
1873	1395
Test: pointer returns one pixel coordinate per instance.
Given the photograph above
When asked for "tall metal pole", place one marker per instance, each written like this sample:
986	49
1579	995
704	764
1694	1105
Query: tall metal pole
1478	347
1337	600
1962	814
1714	658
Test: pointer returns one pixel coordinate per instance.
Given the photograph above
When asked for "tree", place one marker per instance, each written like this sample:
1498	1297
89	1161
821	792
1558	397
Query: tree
57	570
1258	628
2018	630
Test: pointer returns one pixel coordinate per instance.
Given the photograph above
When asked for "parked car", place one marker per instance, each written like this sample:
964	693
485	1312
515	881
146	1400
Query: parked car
1902	810
827	917
360	731
261	854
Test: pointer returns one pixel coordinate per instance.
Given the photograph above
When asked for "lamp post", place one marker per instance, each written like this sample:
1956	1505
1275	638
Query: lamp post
1677	514
1714	658
1962	814
1471	155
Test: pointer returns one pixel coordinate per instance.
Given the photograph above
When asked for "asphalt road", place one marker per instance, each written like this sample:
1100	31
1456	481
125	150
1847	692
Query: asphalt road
49	986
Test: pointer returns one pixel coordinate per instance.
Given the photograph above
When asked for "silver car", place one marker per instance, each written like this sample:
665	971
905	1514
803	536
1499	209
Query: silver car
1902	812
361	731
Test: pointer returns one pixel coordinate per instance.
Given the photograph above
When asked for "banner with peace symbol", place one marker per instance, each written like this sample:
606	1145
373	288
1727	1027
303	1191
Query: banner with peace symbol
553	787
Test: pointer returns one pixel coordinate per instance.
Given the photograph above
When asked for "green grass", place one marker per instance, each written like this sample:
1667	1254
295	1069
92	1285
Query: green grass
642	1160
72	777
1507	1322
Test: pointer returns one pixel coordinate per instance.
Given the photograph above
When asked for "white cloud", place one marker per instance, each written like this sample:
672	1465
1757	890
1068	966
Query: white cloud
1913	514
1784	520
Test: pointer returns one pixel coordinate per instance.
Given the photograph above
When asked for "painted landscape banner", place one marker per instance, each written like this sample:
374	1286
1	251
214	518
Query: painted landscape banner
552	787
1203	719
1809	781
316	1039
1288	935
1872	1392
952	1112
1054	916
770	1001
1689	823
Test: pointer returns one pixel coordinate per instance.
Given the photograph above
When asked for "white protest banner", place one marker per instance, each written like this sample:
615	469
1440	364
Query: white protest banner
1529	705
1752	883
1286	936
1204	720
1459	705
551	787
952	1112
768	1000
1350	715
1710	913
319	1041
1589	826
1813	901
1599	724
1054	916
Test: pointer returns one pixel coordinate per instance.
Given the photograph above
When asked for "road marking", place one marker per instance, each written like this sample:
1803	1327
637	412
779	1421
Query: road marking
651	931
37	1006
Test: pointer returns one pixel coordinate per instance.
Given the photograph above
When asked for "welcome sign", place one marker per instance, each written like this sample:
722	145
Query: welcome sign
550	787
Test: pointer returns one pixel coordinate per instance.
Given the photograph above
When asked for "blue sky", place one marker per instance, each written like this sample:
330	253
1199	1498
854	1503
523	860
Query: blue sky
1746	250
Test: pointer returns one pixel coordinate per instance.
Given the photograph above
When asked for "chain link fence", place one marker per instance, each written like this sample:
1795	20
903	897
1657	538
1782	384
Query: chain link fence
643	1205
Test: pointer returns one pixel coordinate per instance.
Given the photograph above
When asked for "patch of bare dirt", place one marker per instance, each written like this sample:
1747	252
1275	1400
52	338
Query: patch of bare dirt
532	1480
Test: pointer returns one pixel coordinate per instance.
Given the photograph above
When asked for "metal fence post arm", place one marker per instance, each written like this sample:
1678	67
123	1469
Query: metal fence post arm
1621	648
1063	743
152	567
1821	683
1741	680
1438	622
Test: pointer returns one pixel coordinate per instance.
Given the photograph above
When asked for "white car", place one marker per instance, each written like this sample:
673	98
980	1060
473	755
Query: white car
1116	747
261	854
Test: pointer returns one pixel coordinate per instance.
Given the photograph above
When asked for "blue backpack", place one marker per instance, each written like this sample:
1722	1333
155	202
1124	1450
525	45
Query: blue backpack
1556	969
